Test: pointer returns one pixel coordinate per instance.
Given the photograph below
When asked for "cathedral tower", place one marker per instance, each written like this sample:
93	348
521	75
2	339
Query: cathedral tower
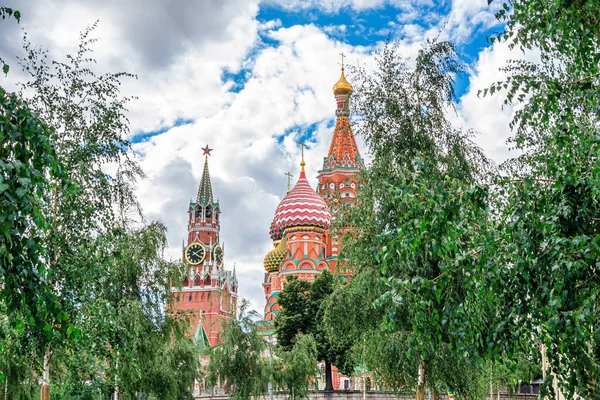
208	290
337	179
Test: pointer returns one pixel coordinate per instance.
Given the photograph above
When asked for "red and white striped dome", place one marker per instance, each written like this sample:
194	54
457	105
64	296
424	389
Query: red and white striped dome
302	206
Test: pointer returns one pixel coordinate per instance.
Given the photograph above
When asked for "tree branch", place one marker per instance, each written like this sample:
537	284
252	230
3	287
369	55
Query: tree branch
456	266
582	79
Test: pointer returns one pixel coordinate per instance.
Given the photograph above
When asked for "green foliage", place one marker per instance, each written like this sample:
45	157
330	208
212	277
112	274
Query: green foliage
27	160
303	312
508	374
547	229
238	362
7	12
296	368
416	230
295	315
147	351
18	381
106	330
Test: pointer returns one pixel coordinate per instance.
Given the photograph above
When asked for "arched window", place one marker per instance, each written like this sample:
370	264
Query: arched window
197	280
198	213
190	298
208	212
186	282
207	281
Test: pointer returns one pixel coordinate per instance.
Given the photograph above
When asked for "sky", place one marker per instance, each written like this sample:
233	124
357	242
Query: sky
249	78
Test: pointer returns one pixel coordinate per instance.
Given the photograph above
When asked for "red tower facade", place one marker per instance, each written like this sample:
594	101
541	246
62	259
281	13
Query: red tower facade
208	290
338	179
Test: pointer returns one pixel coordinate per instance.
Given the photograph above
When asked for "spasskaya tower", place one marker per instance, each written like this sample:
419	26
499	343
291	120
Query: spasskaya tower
208	289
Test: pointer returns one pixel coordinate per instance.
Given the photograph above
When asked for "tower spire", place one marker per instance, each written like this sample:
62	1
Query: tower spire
343	150
205	194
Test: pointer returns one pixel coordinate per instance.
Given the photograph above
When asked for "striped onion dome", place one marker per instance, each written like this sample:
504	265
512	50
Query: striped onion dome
275	257
275	232
302	206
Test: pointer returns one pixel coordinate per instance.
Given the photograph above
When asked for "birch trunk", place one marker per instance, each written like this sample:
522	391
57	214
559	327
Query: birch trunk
421	381
491	382
45	392
116	393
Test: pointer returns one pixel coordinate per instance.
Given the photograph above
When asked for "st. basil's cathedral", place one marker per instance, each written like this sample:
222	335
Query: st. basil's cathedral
302	240
304	245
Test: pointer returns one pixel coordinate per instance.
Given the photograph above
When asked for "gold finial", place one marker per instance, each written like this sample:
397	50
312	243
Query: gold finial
302	163
342	86
289	176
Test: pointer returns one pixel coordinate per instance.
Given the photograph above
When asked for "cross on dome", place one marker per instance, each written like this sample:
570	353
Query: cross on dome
342	86
302	163
289	180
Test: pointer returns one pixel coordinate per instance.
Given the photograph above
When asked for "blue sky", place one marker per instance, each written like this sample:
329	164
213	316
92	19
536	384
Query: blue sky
368	28
251	78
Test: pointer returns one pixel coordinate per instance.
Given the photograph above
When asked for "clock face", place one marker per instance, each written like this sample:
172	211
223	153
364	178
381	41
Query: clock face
195	253
218	255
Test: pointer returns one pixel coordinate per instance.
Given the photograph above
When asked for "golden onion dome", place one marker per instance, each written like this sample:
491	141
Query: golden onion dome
275	257
342	86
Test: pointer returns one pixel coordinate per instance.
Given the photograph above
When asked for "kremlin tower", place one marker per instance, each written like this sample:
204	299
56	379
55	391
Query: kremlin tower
303	243
208	290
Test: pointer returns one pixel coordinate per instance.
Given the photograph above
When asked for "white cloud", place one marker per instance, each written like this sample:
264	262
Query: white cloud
180	57
487	114
269	25
327	6
289	86
178	53
467	16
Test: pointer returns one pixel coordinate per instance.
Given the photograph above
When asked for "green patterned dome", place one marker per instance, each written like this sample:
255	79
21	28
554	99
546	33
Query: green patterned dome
275	257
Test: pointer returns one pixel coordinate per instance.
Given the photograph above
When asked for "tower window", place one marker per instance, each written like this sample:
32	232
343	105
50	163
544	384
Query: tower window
190	297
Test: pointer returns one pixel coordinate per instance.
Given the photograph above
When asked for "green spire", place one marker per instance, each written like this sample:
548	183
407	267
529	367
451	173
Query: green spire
205	194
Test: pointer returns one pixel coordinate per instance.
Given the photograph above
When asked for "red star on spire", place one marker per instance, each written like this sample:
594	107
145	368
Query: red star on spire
206	151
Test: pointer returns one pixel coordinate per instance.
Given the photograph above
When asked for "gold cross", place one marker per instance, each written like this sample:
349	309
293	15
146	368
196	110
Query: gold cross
343	55
289	176
302	163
